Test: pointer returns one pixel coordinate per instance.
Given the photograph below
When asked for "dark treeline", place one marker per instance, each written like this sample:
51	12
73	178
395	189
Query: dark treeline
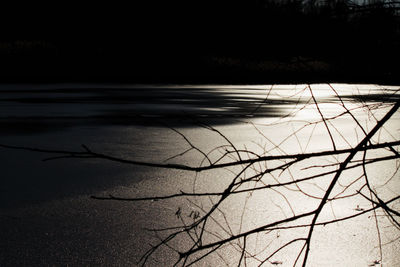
227	41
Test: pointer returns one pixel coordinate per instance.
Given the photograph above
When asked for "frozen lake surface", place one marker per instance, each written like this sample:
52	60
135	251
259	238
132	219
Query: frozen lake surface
49	218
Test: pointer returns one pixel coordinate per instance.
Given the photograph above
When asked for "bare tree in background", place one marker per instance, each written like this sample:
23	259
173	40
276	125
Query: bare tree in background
272	201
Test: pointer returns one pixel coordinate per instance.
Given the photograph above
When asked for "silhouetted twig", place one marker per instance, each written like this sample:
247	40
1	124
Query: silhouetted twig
271	172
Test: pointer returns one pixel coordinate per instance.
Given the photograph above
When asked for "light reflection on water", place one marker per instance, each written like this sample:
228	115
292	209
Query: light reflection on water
279	130
124	101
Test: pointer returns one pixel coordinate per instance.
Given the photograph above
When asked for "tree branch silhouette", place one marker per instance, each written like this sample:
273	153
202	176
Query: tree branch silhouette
272	172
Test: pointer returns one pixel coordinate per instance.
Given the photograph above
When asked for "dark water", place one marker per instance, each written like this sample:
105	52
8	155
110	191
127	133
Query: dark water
45	209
